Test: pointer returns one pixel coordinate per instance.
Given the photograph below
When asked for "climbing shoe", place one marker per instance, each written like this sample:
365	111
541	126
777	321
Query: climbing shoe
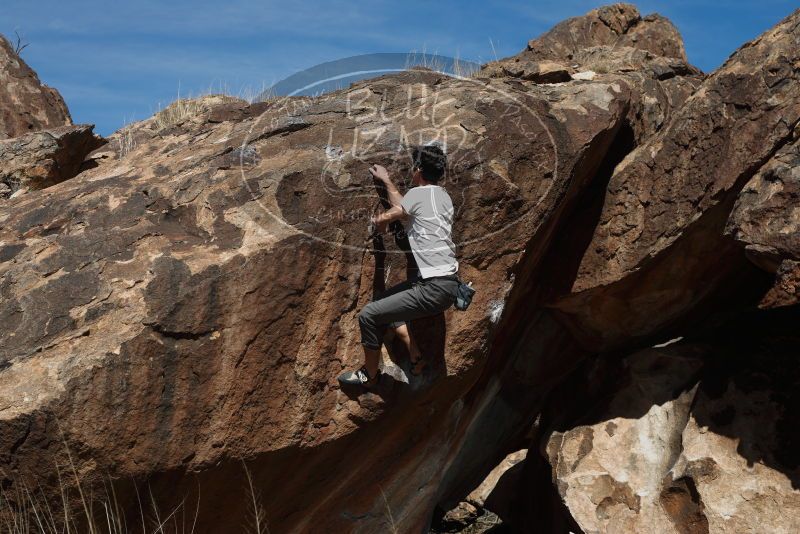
418	366
359	377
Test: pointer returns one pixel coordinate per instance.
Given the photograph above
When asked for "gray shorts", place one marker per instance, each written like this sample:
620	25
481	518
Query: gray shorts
409	300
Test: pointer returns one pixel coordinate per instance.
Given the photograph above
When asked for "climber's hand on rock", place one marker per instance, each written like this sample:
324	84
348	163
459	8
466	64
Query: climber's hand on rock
379	172
379	223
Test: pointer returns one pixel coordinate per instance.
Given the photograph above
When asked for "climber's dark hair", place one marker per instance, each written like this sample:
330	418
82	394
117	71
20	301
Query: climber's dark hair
431	160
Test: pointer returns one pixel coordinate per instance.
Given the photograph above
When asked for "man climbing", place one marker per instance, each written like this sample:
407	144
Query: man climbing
427	213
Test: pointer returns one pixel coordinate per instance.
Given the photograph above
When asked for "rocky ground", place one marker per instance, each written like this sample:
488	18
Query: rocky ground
178	299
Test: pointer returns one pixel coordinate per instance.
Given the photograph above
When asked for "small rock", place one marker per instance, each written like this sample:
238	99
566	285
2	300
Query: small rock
539	71
41	159
587	75
459	518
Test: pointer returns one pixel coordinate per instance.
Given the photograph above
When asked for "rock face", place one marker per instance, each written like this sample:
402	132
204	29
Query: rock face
613	30
39	146
189	305
540	72
694	437
610	474
616	25
25	104
612	42
45	158
766	221
667	202
176	314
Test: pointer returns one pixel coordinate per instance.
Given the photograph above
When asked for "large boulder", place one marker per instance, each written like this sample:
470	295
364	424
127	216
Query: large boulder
186	305
521	368
612	43
601	40
26	105
175	315
616	25
610	469
693	437
659	249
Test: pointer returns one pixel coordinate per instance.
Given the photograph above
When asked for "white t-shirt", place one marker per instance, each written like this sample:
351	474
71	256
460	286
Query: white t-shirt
429	224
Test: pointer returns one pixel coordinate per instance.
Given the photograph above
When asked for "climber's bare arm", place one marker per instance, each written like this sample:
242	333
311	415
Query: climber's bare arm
395	213
380	173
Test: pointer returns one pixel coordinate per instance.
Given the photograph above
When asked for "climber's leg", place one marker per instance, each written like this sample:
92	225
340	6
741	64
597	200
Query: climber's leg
371	361
415	356
373	319
411	300
372	334
421	298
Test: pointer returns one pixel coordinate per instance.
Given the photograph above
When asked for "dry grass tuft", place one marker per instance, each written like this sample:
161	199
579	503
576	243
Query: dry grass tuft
182	109
389	515
257	513
177	112
434	62
25	511
126	141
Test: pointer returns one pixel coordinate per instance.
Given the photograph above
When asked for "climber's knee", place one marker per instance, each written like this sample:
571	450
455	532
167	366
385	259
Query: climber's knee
366	315
370	331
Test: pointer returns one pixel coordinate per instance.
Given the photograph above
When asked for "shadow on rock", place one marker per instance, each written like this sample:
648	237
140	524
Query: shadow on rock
711	421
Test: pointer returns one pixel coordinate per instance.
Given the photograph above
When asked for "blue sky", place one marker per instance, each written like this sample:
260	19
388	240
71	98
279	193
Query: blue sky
115	62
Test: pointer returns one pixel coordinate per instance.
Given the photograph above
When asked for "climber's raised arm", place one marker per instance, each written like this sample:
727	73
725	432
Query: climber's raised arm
380	173
395	213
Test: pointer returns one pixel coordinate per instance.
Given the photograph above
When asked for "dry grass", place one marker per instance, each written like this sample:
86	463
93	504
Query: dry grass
434	62
422	59
264	93
464	70
19	45
257	513
494	51
177	112
184	108
126	141
389	515
23	511
249	93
